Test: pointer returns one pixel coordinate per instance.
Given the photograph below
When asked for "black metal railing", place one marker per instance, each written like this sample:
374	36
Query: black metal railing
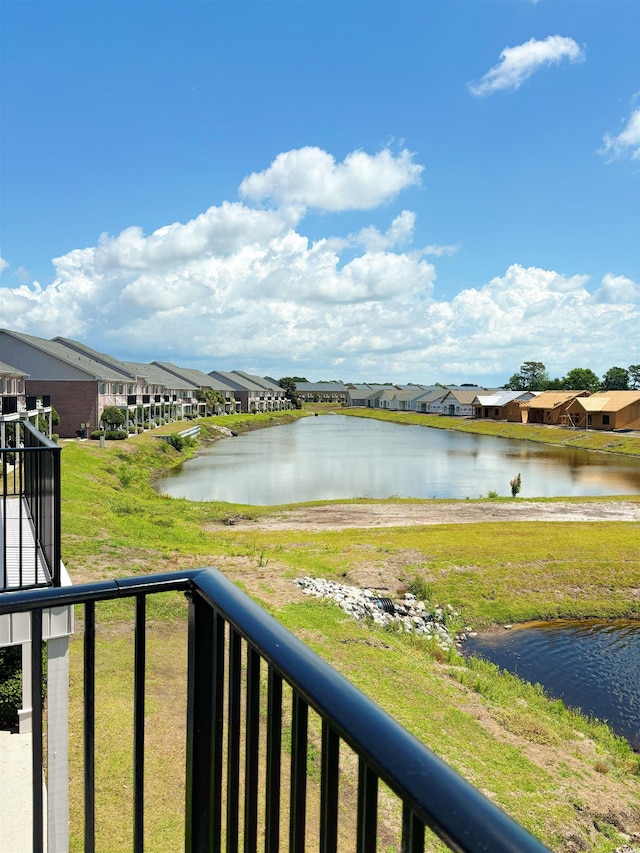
247	778
30	510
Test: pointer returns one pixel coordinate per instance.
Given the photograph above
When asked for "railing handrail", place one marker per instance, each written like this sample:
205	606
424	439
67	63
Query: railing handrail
33	478
44	443
446	803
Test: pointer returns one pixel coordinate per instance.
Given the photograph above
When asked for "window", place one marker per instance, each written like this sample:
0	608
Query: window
101	388
605	420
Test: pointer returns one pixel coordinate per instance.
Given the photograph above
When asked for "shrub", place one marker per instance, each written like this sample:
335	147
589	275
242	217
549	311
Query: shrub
516	485
115	434
113	416
11	683
176	441
96	434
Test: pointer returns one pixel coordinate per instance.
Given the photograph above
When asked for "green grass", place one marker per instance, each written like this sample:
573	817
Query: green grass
531	755
492	572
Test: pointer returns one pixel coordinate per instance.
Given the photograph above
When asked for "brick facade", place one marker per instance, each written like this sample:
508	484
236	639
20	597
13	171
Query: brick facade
75	402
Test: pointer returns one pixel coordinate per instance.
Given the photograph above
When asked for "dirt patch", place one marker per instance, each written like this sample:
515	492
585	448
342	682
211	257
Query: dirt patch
343	516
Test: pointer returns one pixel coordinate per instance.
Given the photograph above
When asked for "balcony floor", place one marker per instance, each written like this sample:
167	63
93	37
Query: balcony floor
25	565
15	792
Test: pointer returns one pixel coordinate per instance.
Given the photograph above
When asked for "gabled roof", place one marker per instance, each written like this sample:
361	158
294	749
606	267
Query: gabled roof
464	396
196	377
398	394
259	381
99	357
365	392
75	358
432	396
609	401
415	386
8	370
239	380
553	399
152	374
156	375
501	398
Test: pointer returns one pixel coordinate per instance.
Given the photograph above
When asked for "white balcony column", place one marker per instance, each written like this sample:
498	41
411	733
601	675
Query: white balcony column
57	745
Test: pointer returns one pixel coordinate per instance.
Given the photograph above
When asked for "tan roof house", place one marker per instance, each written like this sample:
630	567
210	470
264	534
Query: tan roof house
550	407
608	410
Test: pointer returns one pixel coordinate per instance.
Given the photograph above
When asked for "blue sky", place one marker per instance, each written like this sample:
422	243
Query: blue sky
408	191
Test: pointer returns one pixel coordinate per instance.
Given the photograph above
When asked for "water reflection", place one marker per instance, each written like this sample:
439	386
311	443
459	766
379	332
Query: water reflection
590	664
328	458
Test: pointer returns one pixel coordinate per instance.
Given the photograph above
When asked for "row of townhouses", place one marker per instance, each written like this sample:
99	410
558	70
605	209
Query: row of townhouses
80	383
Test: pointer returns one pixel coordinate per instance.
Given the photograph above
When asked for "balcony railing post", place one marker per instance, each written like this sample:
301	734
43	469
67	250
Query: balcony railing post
89	726
233	740
412	832
367	808
274	749
217	718
56	520
299	739
36	730
329	782
138	725
199	793
252	742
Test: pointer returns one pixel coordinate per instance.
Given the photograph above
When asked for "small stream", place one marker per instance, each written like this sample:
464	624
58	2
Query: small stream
592	665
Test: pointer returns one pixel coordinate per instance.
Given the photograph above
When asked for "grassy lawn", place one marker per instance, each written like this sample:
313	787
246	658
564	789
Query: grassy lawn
572	776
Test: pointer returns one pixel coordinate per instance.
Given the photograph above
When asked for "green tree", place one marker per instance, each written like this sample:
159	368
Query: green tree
555	385
533	376
288	385
634	376
112	417
581	379
43	421
616	379
214	400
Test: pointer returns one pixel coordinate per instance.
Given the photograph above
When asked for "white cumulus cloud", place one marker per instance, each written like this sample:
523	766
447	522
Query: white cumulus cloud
627	142
518	63
3	265
618	290
240	287
311	177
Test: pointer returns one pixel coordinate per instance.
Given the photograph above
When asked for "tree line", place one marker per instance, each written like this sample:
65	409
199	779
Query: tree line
533	376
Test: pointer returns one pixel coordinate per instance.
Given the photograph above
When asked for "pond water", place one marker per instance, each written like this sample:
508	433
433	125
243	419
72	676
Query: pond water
336	456
591	665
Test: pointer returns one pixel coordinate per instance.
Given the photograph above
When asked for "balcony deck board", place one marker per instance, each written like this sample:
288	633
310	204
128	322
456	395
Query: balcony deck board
21	562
